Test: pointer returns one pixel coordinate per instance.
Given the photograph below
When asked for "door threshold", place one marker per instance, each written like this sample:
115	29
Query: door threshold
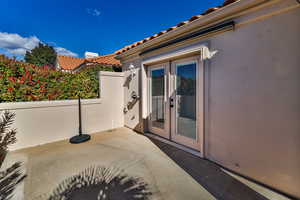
179	146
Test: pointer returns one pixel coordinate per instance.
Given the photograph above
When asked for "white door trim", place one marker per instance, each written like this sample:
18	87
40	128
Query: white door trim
202	49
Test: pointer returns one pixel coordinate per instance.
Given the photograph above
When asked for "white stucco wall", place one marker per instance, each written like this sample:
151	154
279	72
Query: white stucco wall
48	121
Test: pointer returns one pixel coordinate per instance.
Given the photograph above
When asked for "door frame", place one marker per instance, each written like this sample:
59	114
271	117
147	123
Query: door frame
166	131
168	79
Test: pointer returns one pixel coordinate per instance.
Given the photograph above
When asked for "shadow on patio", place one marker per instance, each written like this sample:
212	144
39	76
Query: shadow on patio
142	170
122	164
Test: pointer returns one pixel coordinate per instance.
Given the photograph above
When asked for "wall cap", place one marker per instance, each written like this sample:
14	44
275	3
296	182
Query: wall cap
46	104
115	74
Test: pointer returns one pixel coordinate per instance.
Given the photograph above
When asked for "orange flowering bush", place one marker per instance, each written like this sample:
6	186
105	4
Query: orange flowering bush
25	82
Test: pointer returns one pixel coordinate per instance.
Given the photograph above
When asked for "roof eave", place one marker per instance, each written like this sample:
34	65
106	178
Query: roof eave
204	21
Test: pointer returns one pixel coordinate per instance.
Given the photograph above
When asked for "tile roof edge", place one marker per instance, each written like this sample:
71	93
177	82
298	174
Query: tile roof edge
86	60
179	25
69	57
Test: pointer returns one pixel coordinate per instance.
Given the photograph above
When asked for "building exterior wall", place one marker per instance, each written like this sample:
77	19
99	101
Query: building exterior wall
253	108
252	98
44	122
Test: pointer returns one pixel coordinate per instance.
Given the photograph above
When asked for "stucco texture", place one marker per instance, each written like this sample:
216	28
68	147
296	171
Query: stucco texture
253	108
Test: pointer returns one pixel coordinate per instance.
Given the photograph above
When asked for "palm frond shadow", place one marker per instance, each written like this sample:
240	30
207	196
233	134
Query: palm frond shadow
97	182
9	179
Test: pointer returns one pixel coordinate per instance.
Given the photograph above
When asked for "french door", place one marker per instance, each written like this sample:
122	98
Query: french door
185	104
176	101
158	100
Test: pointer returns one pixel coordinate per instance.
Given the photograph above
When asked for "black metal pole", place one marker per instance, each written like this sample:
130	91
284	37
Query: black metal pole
79	107
80	137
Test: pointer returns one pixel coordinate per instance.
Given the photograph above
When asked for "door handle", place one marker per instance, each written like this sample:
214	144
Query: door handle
171	102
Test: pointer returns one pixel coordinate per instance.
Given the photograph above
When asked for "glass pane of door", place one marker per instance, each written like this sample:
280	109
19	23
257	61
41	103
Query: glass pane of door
186	100
157	98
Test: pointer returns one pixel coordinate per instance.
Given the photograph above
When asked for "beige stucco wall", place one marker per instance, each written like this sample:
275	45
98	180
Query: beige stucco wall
132	118
252	98
45	122
253	107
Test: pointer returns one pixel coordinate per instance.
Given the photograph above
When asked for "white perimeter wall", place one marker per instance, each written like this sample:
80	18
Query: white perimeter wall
48	121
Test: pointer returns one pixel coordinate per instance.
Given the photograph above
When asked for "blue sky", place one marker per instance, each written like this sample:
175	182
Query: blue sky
76	26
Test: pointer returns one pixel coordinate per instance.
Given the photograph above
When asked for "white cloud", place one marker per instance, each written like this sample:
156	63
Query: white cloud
93	11
14	44
65	52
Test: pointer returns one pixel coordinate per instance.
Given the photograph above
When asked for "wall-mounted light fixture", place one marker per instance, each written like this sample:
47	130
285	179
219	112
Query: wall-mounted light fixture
132	70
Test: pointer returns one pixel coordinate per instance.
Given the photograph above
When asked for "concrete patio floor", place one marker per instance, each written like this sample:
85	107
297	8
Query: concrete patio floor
48	165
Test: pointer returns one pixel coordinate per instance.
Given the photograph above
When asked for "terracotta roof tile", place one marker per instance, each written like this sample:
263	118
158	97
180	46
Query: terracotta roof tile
182	23
171	28
160	33
210	10
228	2
71	63
105	60
193	18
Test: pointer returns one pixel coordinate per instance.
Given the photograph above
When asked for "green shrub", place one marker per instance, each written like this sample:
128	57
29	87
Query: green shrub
24	82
